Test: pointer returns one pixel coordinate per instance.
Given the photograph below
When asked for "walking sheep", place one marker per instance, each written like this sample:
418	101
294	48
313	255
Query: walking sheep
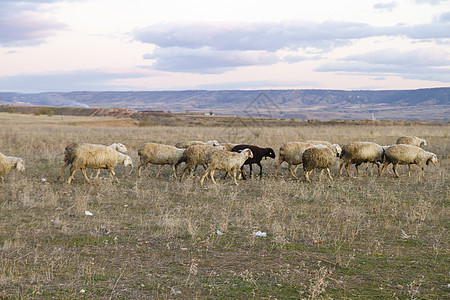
158	154
407	155
69	157
192	143
9	162
196	155
412	140
258	154
319	157
292	154
97	157
225	161
361	152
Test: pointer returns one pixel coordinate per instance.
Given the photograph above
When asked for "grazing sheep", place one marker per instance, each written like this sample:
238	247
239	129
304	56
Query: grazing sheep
9	162
407	155
228	146
361	152
158	154
319	157
68	155
412	140
258	154
292	154
226	161
196	155
97	157
192	143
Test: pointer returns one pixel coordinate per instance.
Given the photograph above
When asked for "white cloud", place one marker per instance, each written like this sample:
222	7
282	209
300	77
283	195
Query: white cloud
21	24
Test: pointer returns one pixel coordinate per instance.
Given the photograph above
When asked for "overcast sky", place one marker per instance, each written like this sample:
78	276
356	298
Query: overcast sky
97	45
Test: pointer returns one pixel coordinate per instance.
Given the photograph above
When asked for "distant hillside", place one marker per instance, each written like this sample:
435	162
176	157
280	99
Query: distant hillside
421	104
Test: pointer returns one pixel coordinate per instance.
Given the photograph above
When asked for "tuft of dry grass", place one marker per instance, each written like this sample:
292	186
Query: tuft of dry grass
363	237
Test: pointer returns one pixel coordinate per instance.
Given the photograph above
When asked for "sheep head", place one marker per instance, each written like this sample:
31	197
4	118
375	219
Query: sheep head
120	147
213	143
423	143
20	165
128	162
337	149
433	159
270	153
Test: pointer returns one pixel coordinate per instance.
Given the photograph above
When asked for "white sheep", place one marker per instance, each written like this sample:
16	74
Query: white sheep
225	161
9	162
292	154
69	157
402	154
97	157
361	152
158	154
319	157
195	156
412	140
192	143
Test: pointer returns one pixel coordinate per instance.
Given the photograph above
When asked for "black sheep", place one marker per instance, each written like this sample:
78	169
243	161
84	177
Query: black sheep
258	154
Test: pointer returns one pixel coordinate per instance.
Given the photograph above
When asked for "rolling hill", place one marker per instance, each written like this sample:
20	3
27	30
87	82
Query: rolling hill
421	104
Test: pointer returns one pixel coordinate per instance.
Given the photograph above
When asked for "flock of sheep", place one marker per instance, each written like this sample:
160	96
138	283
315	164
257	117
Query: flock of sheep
231	158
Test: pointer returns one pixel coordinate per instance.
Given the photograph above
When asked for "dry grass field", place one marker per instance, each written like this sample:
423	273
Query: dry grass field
360	237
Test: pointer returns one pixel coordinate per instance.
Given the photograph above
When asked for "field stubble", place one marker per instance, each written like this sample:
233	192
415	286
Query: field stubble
157	237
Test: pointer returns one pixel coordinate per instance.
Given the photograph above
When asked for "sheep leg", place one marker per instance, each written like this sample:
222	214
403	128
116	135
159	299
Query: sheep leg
356	167
62	170
307	175
329	174
3	179
242	172
409	170
203	177
174	169
382	169
98	173
367	167
113	174
234	175
320	174
211	174
83	171
394	167
290	170
159	171
276	167
260	170
341	167
72	173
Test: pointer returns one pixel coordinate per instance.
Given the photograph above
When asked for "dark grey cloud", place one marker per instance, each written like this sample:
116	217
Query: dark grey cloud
88	80
21	23
424	64
389	6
